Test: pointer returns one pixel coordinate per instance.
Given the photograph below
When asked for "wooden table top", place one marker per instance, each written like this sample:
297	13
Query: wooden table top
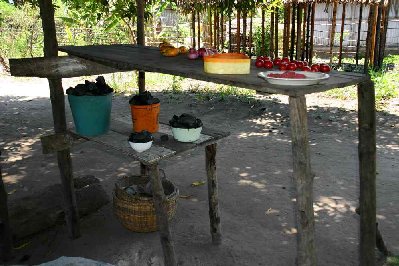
148	59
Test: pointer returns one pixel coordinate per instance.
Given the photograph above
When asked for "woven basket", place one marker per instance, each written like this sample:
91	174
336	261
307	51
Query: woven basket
137	213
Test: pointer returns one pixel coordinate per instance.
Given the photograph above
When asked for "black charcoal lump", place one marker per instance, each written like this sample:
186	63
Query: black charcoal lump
185	121
98	88
144	98
141	137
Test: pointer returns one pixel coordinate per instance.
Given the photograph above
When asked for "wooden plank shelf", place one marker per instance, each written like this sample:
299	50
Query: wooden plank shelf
149	59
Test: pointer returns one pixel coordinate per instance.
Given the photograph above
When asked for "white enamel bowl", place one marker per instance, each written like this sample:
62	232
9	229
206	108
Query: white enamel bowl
186	135
140	147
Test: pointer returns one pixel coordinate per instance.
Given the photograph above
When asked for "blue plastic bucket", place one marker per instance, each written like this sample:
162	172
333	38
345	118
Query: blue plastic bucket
91	114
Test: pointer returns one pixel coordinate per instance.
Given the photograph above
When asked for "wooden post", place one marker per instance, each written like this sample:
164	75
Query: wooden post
210	28
221	31
299	33
263	32
312	33
276	32
162	216
367	171
373	32
271	40
6	245
58	110
238	31
303	179
214	217
359	29
377	38
193	42
286	40
384	32
292	32
215	30
140	39
332	33
199	29
244	30
341	37
230	32
309	13
250	34
369	39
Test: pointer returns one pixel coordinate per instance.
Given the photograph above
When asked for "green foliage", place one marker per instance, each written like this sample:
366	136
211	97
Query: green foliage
393	261
257	37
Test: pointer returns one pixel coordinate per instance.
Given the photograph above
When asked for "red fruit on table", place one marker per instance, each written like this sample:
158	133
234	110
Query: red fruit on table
192	54
283	66
261	57
285	60
305	63
315	68
306	68
277	61
266	58
202	52
325	68
268	64
291	66
299	64
259	63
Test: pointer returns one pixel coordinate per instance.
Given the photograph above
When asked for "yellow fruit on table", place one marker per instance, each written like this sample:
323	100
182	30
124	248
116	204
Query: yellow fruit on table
170	51
164	47
183	49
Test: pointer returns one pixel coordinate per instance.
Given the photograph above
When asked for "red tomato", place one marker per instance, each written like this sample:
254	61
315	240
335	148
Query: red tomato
291	66
266	58
259	63
268	64
325	68
277	61
285	60
306	68
299	64
283	66
261	57
315	68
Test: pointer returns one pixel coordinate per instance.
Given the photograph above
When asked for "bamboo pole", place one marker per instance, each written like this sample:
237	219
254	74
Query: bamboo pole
199	29
299	32
276	32
263	33
238	31
312	33
58	109
359	30
332	33
193	42
271	41
341	37
292	32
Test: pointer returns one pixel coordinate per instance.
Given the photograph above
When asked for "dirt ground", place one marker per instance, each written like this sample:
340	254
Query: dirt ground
254	168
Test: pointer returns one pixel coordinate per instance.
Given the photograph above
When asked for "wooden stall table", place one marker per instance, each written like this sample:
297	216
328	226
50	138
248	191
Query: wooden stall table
111	58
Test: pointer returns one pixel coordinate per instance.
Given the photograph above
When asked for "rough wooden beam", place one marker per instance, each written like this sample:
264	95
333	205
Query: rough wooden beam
57	67
56	142
303	179
214	216
367	172
6	245
58	110
162	216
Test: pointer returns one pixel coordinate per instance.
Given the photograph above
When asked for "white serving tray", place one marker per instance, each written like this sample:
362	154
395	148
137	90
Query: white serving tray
312	78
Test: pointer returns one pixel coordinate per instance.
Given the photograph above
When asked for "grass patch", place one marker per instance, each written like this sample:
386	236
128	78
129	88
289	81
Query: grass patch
392	261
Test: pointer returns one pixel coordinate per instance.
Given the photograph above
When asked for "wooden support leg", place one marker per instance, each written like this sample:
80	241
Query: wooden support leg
5	230
214	217
303	179
367	172
162	216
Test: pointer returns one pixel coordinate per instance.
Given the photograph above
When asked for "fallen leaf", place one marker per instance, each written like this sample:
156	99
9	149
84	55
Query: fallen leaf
197	183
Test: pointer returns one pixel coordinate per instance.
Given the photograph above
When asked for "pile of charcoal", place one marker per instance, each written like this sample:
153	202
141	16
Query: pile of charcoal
98	88
144	98
141	137
185	121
